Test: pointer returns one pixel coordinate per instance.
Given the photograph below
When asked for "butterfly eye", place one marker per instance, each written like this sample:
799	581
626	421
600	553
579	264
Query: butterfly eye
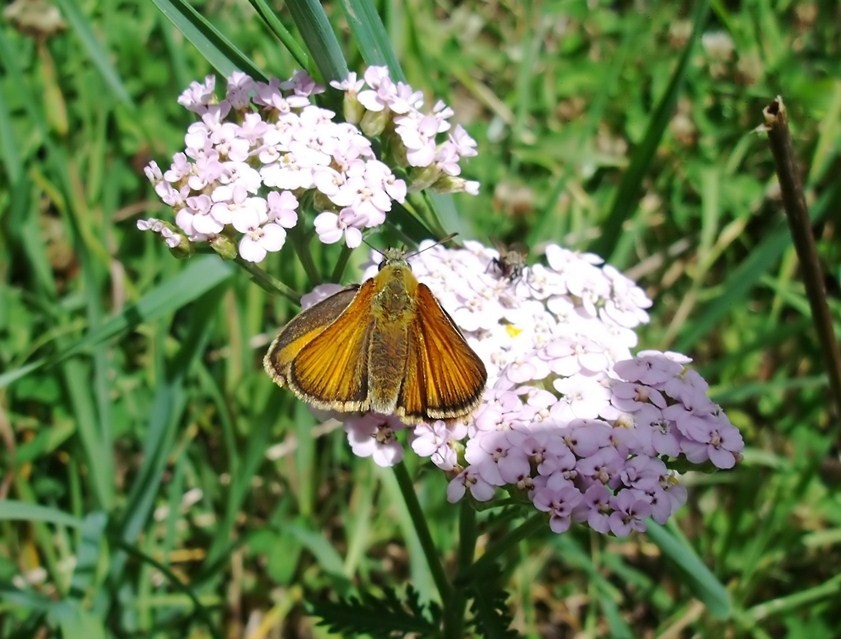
382	265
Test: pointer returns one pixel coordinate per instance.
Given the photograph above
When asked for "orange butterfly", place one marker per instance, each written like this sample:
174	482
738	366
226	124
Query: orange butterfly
386	346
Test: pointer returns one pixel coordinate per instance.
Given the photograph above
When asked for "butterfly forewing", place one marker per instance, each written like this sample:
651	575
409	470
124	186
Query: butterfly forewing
450	375
331	370
302	329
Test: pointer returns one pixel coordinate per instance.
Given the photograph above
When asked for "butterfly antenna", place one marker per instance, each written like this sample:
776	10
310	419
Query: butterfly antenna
443	240
372	247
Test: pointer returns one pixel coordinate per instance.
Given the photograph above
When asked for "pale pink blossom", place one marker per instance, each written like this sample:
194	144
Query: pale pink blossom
373	435
270	140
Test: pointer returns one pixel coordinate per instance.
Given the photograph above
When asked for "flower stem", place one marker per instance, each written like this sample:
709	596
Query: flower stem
302	250
779	137
266	281
486	562
433	557
341	264
455	607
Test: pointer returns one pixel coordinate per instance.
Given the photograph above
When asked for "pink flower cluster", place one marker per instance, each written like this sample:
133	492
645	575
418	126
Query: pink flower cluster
571	422
393	110
265	152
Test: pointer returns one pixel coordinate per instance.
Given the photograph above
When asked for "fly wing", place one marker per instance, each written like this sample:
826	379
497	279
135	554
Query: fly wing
330	370
301	330
445	378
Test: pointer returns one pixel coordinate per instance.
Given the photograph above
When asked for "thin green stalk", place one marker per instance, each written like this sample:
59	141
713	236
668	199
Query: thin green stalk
430	551
266	281
467	534
419	206
779	137
341	264
485	563
302	250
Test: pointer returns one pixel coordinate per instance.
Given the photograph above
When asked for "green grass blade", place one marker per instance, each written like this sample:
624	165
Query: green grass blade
318	35
200	275
176	582
18	78
165	414
421	575
252	459
93	433
213	46
630	187
9	150
12	510
830	591
95	50
89	553
283	34
740	281
75	621
370	35
703	583
322	550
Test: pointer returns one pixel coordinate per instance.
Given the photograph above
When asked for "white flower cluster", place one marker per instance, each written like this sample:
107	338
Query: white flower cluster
259	157
571	421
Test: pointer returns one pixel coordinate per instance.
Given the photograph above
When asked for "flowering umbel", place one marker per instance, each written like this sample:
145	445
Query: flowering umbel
571	422
265	153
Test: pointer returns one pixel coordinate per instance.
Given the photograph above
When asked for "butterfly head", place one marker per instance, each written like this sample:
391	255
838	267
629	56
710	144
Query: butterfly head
394	257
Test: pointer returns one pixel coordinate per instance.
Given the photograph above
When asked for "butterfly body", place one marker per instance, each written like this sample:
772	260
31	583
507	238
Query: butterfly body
386	346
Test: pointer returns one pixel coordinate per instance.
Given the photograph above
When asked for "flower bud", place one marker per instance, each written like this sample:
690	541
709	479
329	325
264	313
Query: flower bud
224	247
351	108
373	122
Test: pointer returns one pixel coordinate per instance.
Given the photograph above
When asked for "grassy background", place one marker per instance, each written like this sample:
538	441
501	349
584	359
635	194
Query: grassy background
143	446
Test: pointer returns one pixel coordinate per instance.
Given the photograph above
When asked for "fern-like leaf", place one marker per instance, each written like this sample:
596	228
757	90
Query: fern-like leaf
382	616
491	615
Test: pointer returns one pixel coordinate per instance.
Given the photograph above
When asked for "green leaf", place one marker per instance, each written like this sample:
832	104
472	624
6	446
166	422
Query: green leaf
177	584
701	581
321	548
89	553
283	34
93	431
492	616
164	416
828	591
741	280
75	621
12	510
382	615
9	149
